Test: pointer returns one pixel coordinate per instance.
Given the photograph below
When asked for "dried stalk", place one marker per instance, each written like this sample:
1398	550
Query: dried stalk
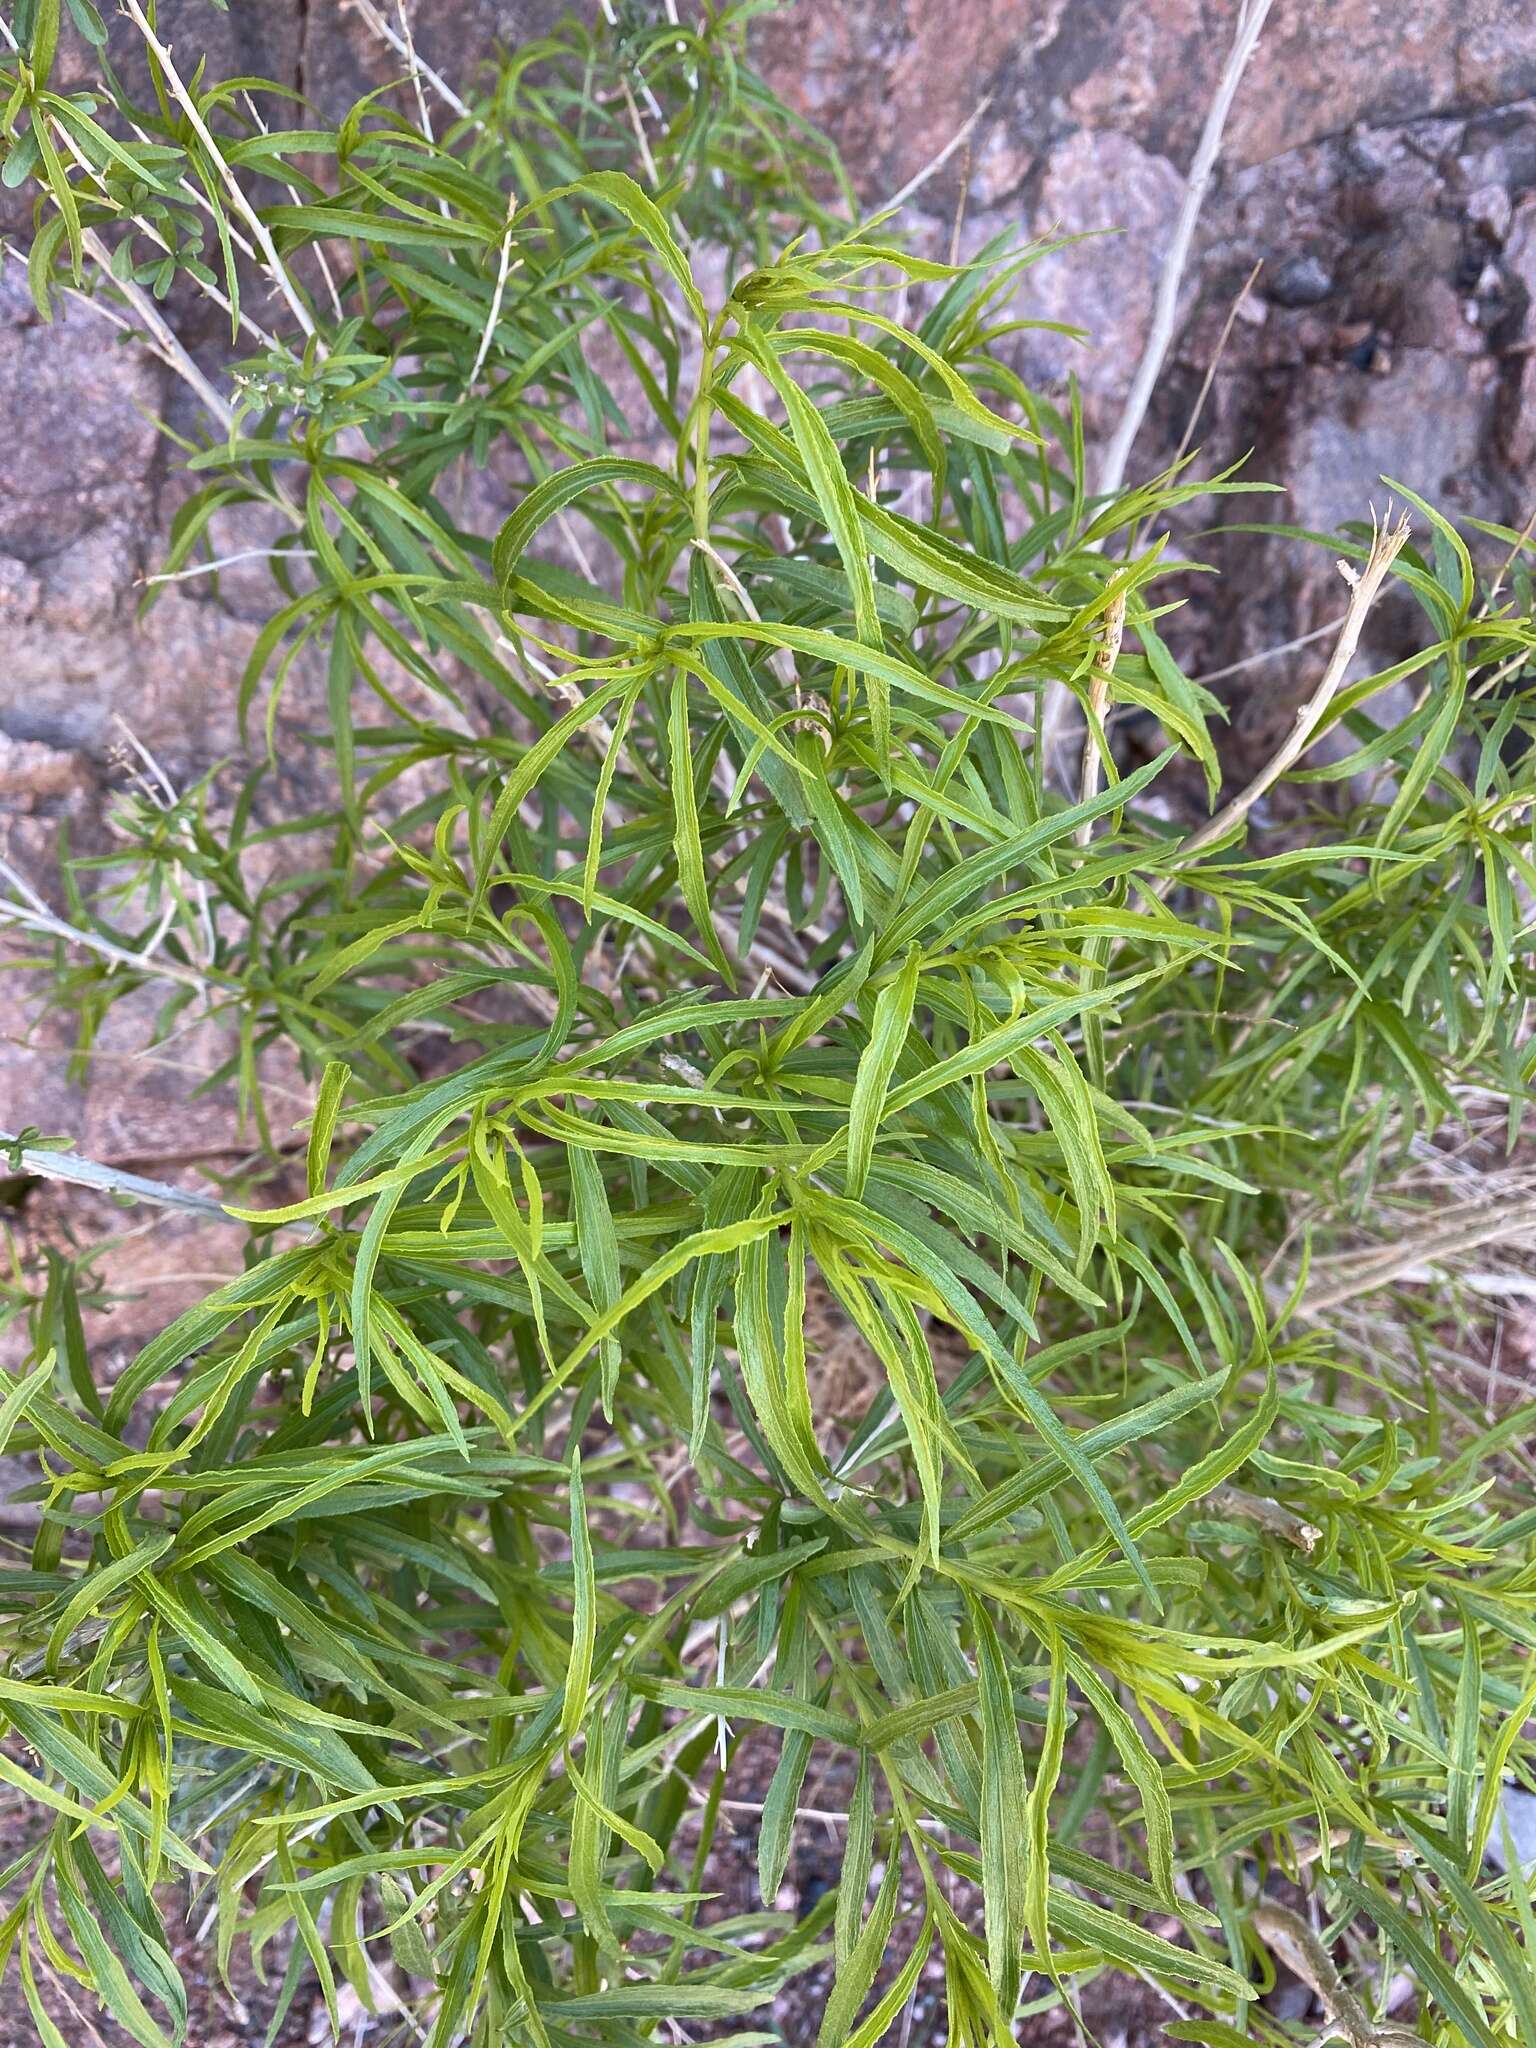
638	126
148	229
1269	654
1214	364
1056	700
504	268
162	339
1235	1501
413	63
1250	23
227	561
271	261
33	915
1287	1936
1386	544
419	68
780	659
1466	1228
958	140
293	192
43	1164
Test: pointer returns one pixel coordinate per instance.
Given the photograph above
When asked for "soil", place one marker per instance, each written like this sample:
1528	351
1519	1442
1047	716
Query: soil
218	2016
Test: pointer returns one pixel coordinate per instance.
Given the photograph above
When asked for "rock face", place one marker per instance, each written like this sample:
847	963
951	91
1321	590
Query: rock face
893	79
1381	161
1125	200
1386	330
1385	223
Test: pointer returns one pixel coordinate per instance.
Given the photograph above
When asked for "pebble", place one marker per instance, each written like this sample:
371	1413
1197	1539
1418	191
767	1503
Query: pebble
1302	280
1491	208
1520	1812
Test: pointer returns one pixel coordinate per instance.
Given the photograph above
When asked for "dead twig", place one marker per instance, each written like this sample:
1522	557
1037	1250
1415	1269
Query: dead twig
419	68
271	262
226	562
1056	700
41	1163
504	269
1275	653
1466	1227
1250	24
162	340
1288	1937
33	915
1387	543
1215	363
958	140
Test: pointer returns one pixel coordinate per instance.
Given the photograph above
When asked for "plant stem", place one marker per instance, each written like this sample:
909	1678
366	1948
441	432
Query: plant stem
1387	543
1250	23
42	1163
272	262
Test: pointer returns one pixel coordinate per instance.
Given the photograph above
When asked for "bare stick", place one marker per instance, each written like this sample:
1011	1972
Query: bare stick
959	222
24	889
1522	541
1056	699
146	227
1236	668
253	220
293	192
163	794
958	140
1215	363
638	125
49	926
32	914
573	538
503	269
225	561
1286	1935
1250	22
1464	1228
1268	1514
44	1164
780	659
1386	545
419	67
414	64
193	193
164	341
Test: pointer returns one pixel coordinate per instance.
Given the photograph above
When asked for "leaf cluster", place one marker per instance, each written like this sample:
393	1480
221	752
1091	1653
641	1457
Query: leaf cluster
692	948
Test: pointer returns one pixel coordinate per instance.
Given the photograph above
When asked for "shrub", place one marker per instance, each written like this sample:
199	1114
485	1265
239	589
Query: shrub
693	951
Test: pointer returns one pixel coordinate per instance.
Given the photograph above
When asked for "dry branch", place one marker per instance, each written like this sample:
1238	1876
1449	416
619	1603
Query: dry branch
1387	543
42	1163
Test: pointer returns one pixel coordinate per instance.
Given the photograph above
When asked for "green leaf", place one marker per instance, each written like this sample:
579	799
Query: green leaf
322	1129
626	197
578	1670
45	39
877	1063
1004	1806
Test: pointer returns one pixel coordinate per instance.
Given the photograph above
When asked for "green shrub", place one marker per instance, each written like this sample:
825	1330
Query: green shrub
692	950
